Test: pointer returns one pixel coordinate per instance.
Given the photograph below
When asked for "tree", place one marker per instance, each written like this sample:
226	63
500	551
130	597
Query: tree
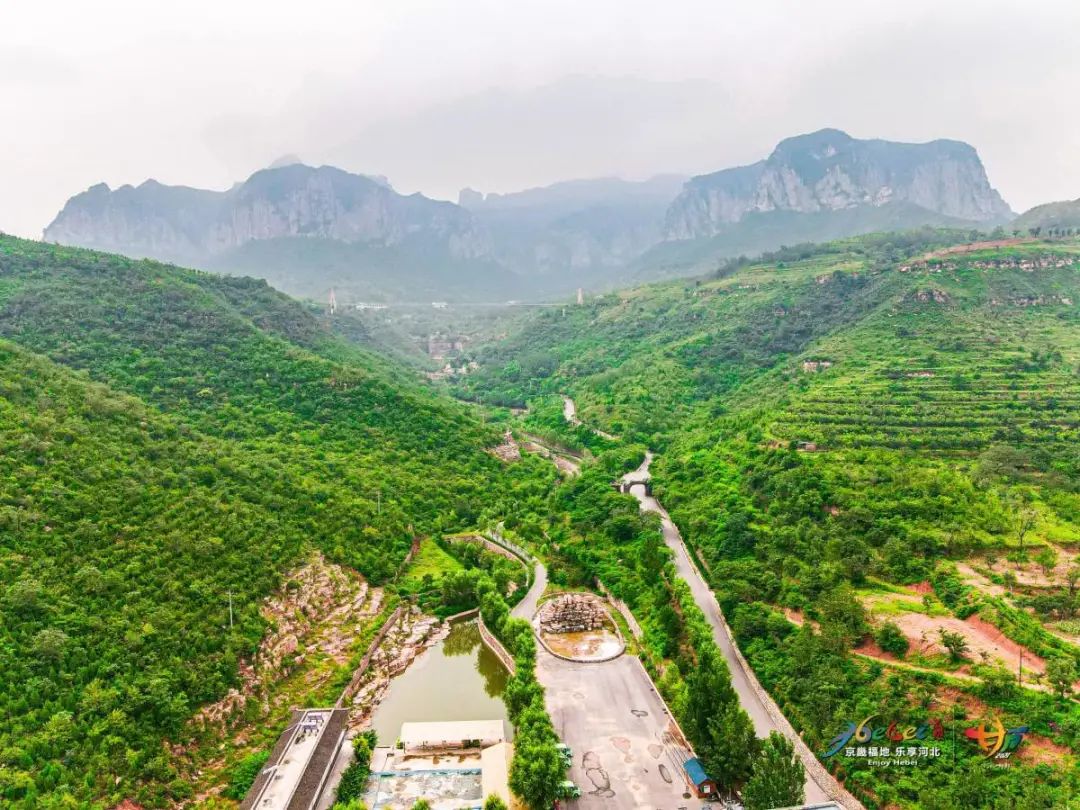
892	639
50	644
779	777
1047	559
1009	578
351	785
722	732
1072	579
493	802
536	773
955	643
243	773
843	618
421	804
998	684
1024	521
362	752
1061	672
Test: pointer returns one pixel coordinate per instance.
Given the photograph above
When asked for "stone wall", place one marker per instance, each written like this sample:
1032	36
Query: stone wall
496	646
813	765
354	683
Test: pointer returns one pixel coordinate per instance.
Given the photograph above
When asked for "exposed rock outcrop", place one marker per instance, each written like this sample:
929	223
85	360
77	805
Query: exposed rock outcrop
831	171
188	225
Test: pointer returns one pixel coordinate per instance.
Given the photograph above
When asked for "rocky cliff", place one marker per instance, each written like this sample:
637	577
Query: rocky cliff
291	201
831	171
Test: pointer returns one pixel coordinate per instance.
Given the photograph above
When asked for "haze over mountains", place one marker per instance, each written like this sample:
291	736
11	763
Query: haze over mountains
308	230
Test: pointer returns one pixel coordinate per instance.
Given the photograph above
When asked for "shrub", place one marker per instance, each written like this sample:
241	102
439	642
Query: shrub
892	639
243	774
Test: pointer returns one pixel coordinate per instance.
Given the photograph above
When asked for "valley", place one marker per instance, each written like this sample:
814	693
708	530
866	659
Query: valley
853	385
866	450
539	406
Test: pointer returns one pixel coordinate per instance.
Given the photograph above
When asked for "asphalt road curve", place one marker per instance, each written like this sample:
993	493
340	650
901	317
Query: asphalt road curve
703	595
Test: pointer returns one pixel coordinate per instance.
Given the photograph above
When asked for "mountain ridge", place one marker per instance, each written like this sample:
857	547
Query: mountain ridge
294	200
310	230
829	170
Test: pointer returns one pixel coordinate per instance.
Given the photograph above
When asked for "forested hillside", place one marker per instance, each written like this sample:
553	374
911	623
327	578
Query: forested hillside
874	447
172	440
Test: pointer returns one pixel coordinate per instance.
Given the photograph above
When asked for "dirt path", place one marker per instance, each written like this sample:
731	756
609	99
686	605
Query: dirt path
570	415
565	462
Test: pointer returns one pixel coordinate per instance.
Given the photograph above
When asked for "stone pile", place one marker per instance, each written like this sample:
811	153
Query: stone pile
573	613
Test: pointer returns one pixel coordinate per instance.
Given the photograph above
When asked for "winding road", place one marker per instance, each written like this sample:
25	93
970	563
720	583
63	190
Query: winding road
821	787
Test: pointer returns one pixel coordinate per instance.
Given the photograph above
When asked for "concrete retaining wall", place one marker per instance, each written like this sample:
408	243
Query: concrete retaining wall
464	614
813	765
350	690
496	646
498	545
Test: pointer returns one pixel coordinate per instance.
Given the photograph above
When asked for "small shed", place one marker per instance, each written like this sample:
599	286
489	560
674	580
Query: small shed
703	785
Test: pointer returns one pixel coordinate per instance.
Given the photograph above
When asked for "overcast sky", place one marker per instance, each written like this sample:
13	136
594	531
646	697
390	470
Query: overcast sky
502	95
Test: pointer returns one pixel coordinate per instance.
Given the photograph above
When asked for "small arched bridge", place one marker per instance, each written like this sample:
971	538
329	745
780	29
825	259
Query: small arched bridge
626	487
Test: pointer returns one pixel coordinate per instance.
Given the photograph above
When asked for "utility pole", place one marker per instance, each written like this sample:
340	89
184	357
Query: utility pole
230	610
378	495
1020	669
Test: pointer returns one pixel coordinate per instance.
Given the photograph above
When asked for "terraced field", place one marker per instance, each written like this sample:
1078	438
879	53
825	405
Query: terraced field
976	392
933	393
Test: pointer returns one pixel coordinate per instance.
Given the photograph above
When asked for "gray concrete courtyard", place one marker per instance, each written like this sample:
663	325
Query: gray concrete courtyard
627	752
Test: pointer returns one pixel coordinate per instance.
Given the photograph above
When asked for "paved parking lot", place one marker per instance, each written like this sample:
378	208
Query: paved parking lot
627	753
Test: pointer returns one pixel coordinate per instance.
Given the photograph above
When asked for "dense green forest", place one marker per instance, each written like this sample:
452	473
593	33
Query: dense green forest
171	439
861	440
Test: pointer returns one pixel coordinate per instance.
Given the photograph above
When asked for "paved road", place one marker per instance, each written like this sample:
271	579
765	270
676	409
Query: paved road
703	595
569	413
527	606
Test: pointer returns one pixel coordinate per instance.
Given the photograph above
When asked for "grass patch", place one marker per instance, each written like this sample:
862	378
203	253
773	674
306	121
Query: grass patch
429	560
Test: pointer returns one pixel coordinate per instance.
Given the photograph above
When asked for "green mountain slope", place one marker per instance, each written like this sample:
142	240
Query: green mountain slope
170	437
759	231
1064	215
842	431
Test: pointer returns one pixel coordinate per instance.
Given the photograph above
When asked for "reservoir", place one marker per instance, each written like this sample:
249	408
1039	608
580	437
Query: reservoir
456	679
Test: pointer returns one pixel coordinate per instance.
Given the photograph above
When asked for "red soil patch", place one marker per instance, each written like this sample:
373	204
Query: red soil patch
923	587
870	648
1038	750
797	618
984	640
1010	647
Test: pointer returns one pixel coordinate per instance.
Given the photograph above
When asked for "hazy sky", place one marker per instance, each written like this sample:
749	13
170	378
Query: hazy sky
502	95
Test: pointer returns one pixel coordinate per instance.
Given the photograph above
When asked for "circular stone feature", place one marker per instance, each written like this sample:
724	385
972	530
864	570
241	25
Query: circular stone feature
578	627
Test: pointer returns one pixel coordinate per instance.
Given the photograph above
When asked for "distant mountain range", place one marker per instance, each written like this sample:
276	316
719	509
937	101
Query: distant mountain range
589	229
308	230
